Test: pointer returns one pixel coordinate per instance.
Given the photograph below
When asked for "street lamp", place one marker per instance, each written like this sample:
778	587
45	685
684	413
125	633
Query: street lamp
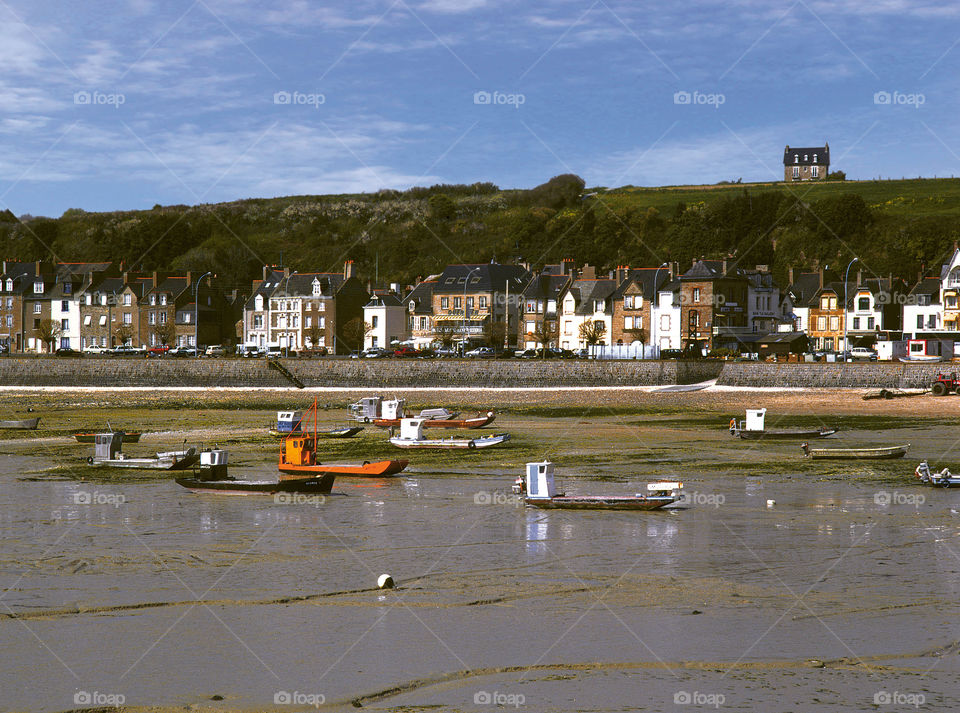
196	311
656	303
465	283
845	276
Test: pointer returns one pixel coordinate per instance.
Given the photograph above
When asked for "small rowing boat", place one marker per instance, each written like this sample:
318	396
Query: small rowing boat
882	453
411	436
24	424
388	414
538	490
128	437
753	429
108	452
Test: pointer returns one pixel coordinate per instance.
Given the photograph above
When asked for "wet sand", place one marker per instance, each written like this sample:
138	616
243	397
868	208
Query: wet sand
841	593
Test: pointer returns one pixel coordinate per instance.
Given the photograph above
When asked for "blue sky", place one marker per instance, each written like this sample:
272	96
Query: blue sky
121	104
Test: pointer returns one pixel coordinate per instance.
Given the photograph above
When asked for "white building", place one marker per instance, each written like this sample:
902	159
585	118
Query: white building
665	327
587	299
387	318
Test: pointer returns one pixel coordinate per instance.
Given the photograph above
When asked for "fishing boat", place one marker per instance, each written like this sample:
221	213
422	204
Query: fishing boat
128	437
752	428
24	424
298	458
943	478
539	490
411	436
211	477
881	453
108	452
387	413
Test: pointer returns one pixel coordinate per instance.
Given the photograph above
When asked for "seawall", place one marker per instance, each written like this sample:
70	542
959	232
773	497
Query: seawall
880	375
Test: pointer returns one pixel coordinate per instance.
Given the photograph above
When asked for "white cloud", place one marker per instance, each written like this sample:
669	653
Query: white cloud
453	6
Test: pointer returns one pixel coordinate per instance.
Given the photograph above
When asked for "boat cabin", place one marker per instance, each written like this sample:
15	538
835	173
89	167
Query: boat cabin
107	445
392	409
289	421
298	450
411	429
366	409
540	480
754	420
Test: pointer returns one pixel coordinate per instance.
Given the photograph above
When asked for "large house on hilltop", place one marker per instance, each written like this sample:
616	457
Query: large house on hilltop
806	164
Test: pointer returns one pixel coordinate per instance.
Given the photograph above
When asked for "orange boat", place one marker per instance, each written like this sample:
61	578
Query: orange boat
298	458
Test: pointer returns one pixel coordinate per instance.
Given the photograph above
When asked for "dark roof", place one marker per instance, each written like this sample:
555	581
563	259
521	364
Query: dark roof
796	156
546	285
945	268
485	277
300	284
422	295
928	286
264	289
383	301
711	270
643	277
805	286
586	291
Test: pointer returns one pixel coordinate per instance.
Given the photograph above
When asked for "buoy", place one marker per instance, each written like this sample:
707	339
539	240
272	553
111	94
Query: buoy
771	503
385	581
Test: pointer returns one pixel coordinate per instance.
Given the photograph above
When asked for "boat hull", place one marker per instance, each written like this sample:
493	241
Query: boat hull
163	461
599	502
858	453
91	437
307	486
348	432
26	424
451	443
785	435
478	422
380	469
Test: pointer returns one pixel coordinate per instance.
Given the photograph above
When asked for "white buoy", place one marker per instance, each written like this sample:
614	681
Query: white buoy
771	503
385	581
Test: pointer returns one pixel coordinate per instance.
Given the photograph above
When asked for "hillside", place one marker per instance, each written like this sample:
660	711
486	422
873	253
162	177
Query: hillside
897	227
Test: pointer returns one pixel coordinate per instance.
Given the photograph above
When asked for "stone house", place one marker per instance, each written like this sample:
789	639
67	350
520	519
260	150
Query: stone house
539	304
587	299
419	313
806	164
713	314
634	303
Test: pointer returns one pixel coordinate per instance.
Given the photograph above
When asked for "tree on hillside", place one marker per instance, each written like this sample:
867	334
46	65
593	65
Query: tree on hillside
123	333
544	334
315	334
559	192
354	332
442	207
494	333
445	335
592	333
48	331
836	176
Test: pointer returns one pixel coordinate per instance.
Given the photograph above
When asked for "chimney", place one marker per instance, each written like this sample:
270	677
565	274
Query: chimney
348	269
266	272
724	267
189	278
859	277
566	266
820	272
286	273
790	275
156	279
37	268
126	277
623	271
589	272
674	270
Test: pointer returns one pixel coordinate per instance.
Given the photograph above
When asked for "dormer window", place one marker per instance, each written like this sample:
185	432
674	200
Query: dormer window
814	158
805	158
163	299
153	300
68	288
796	158
38	287
316	287
412	306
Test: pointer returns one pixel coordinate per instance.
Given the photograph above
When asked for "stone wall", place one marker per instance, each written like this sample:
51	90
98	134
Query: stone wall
105	371
886	375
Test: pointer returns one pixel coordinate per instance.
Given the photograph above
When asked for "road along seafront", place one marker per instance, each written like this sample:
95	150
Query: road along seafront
833	598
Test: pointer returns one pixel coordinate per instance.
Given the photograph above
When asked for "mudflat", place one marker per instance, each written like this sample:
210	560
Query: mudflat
778	584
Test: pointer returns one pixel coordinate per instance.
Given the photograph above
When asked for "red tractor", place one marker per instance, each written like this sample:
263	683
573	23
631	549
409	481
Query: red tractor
945	384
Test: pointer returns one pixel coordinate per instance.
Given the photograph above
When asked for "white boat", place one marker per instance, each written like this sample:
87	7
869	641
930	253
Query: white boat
922	358
108	452
539	490
752	428
411	436
943	478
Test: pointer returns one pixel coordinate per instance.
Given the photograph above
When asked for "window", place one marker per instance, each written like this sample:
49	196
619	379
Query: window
103	300
919	321
65	325
152	318
815	171
127	318
64	305
834	324
163	299
693	320
9	285
796	172
103	320
482	302
163	317
9	320
68	288
374	321
423	323
796	158
186	317
568	327
38	287
923	300
628	322
856	323
871	323
444	303
321	306
127	299
456	303
599	305
37	308
258	321
531	327
821	324
36	324
628	302
9	302
863	304
469	303
531	305
153	300
87	320
696	294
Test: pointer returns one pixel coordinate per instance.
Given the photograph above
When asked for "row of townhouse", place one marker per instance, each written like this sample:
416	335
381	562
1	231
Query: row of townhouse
79	305
309	310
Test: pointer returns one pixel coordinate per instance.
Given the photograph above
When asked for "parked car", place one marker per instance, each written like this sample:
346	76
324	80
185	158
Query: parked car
405	352
481	353
372	353
863	354
126	350
445	352
250	350
671	353
215	350
275	352
183	352
95	349
68	352
157	351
